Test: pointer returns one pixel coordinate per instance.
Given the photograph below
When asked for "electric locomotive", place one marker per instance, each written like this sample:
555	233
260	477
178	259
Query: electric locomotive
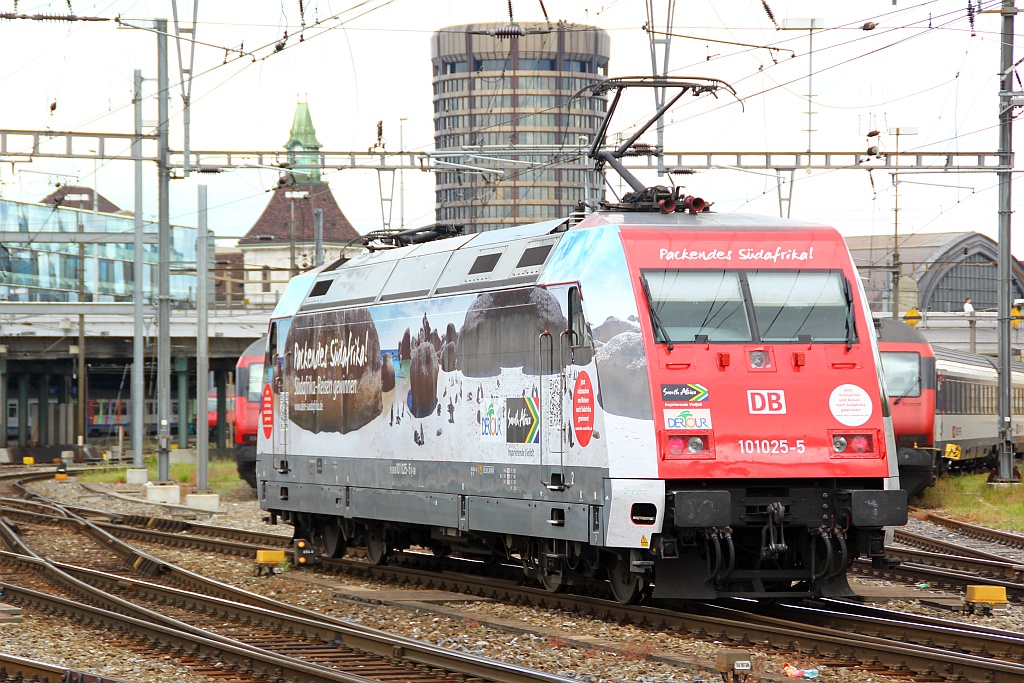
246	412
944	404
686	404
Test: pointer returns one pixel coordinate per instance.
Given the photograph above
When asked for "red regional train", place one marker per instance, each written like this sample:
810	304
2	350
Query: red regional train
685	404
246	412
944	404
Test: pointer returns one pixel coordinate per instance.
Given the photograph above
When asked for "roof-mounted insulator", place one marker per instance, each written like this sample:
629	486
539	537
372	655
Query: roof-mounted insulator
510	31
388	239
640	149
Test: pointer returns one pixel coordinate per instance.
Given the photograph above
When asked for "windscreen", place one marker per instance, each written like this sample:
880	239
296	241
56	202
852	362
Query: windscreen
902	371
776	306
254	384
791	304
695	303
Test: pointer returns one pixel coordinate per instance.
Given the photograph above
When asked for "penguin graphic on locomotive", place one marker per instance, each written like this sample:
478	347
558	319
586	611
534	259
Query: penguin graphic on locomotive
686	404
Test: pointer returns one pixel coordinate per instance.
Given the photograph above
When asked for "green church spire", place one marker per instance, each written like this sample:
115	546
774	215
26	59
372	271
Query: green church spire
303	139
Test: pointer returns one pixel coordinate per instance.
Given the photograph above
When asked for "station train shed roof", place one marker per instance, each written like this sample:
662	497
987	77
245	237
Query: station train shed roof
943	267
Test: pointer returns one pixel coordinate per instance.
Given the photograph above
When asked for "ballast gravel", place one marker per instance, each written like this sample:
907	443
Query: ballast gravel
569	645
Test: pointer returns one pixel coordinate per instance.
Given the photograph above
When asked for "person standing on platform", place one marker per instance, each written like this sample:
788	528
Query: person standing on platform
968	306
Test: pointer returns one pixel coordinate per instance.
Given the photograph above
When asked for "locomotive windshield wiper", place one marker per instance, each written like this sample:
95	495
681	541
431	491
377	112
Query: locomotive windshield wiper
850	329
659	327
909	389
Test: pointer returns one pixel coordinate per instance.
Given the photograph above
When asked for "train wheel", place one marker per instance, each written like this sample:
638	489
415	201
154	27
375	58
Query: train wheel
334	541
378	550
554	582
626	586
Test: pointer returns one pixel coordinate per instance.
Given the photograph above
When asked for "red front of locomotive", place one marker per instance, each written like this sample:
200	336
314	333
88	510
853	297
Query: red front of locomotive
910	380
762	366
908	365
772	430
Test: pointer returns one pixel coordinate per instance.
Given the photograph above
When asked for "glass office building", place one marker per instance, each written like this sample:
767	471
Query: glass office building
32	270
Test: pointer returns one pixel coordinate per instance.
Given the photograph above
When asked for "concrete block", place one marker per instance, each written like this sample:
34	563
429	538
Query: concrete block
182	456
163	493
137	475
10	615
203	501
5	456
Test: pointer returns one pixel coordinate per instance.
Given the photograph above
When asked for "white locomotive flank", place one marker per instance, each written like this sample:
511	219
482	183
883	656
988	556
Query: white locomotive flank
503	424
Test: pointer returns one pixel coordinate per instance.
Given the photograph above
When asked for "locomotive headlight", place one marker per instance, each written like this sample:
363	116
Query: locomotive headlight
758	359
860	444
854	445
688	447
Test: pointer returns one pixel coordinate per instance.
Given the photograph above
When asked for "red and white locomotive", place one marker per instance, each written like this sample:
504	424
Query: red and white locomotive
683	403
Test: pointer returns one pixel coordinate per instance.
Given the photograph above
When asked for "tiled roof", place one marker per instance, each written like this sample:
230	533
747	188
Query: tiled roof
58	197
274	225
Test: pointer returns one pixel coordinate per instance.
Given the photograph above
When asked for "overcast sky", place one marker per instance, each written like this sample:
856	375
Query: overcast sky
370	61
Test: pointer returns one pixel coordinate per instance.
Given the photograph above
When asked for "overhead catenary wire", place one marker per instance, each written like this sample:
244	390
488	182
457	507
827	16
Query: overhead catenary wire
919	5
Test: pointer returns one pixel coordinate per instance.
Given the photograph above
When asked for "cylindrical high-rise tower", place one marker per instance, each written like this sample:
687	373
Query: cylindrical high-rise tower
503	103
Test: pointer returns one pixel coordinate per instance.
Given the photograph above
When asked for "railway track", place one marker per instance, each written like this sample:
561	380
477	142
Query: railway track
939	546
1007	539
14	668
273	641
952	564
880	642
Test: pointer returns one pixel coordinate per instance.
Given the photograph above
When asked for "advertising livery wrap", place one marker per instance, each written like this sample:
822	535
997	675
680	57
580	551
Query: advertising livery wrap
634	397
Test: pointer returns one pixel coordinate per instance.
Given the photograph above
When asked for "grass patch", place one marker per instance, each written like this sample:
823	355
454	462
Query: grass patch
222	475
971	498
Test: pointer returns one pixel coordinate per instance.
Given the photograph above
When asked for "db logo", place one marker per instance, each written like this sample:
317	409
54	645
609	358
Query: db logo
765	402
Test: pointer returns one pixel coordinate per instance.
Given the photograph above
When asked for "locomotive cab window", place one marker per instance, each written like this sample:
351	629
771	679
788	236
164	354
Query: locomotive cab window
577	323
270	360
250	381
789	304
581	347
902	371
779	306
697	303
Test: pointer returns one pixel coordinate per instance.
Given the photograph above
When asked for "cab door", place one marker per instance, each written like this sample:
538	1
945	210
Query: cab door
552	408
561	351
275	415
